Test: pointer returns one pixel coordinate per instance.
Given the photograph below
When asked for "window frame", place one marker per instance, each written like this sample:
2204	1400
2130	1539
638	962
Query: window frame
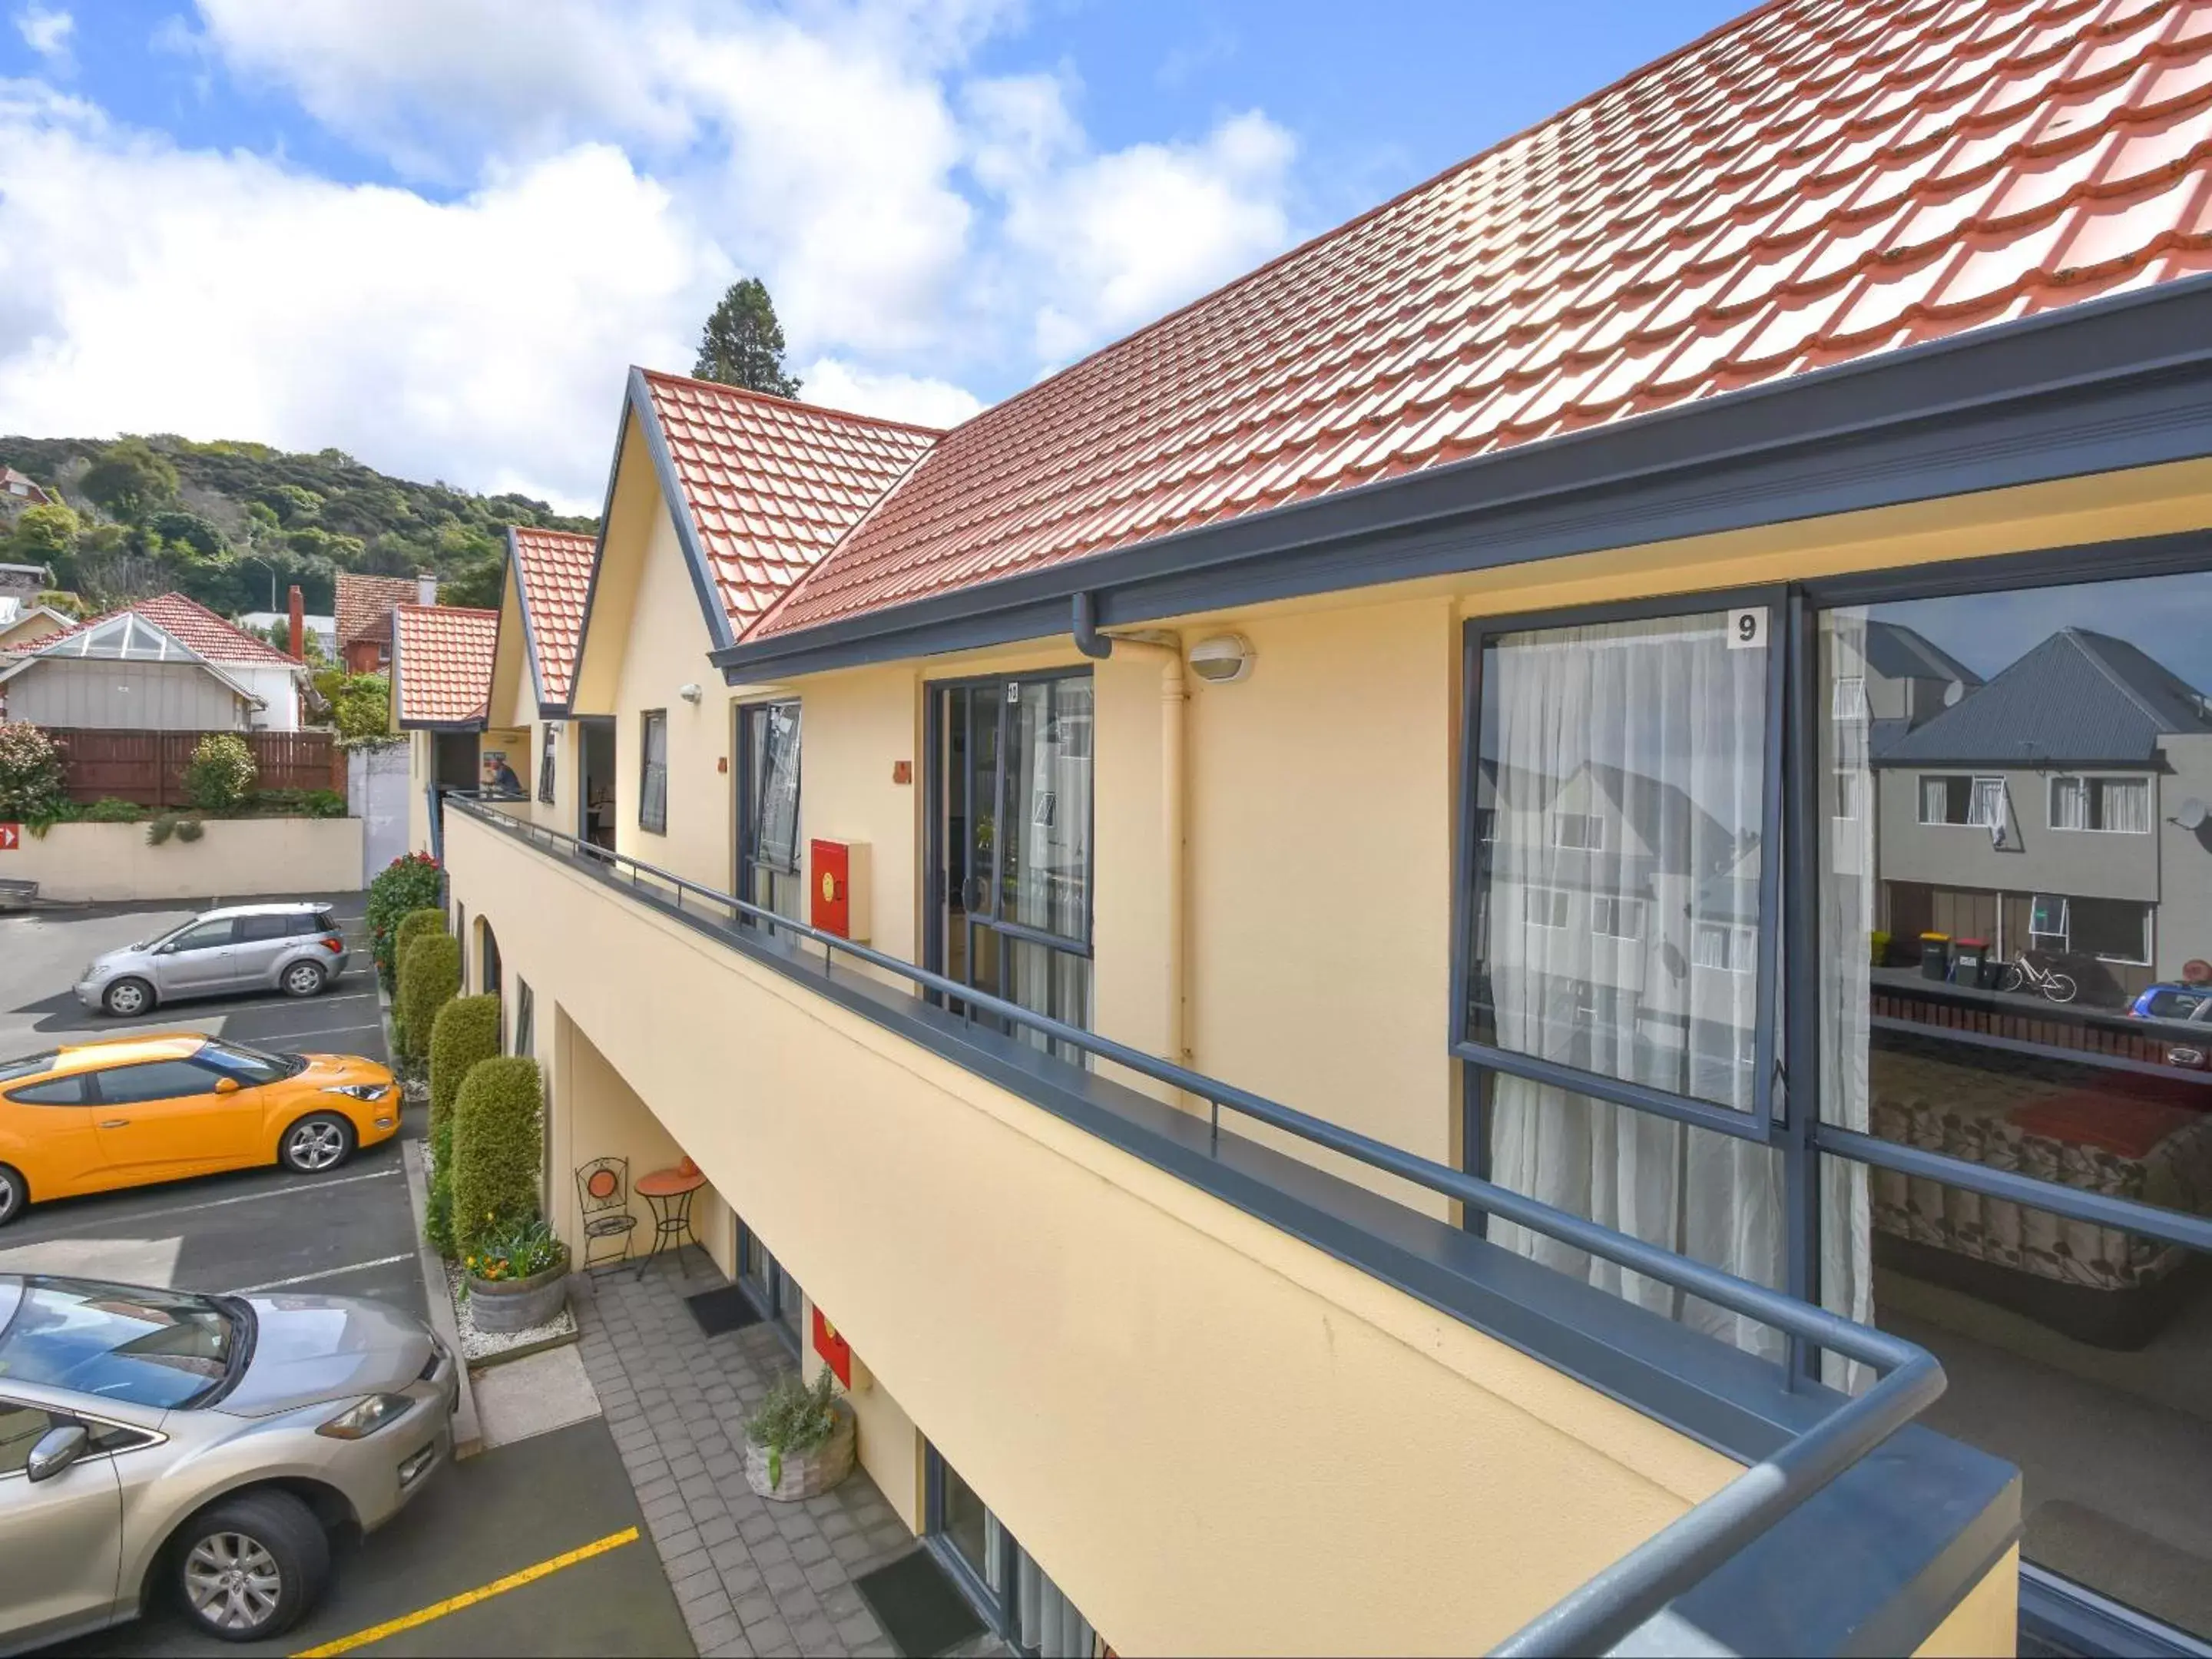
1758	1122
547	767
647	718
2093	785
748	815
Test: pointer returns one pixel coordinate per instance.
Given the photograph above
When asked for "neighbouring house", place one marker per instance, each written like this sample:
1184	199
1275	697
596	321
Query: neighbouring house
18	492
323	630
442	662
165	664
1360	811
24	582
24	623
363	616
2037	812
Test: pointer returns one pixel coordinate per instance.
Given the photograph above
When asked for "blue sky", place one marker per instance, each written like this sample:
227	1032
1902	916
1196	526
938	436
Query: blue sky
433	232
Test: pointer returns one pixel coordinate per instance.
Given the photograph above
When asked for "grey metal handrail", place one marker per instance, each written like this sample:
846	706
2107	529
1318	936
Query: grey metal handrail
1601	1612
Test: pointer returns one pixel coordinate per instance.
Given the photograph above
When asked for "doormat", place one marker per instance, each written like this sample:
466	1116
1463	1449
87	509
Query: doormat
726	1309
917	1606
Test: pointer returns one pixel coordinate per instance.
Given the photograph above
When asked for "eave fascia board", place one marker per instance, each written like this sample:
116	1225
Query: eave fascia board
2105	386
529	632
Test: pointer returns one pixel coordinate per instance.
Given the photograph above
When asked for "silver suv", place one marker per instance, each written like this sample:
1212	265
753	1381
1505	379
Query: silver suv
156	1443
294	948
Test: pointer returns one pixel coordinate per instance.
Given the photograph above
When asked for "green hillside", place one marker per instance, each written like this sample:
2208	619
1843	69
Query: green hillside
147	515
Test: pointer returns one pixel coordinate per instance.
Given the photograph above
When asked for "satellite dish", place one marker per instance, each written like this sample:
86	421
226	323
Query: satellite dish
2192	815
1952	693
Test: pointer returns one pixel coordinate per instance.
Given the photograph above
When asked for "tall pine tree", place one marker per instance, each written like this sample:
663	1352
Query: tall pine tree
743	343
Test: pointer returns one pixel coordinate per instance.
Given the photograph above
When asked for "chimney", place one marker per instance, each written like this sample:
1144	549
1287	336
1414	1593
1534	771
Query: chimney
299	627
426	588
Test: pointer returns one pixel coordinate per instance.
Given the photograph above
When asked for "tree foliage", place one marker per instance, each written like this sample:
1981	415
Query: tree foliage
223	521
221	774
32	785
743	343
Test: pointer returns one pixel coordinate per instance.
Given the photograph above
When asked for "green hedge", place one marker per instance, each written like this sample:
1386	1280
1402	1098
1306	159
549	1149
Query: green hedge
496	1150
430	978
415	924
438	1216
467	1031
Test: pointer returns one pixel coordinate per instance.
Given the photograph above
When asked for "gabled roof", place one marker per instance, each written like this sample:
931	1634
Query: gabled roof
131	637
363	606
1899	653
1818	183
206	636
553	579
441	665
2079	698
761	487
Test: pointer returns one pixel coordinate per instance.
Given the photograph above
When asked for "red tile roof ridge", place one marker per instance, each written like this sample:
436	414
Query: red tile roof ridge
451	610
797	405
196	615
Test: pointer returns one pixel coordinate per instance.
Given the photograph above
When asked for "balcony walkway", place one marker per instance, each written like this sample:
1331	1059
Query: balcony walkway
751	1576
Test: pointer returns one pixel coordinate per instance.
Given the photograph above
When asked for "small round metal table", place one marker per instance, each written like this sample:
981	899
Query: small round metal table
669	1193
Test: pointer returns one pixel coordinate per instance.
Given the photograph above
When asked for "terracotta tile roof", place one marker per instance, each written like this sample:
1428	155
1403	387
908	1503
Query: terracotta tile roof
1818	181
193	626
771	483
554	567
442	662
364	604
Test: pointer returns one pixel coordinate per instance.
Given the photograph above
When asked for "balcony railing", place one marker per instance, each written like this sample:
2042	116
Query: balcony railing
1602	1612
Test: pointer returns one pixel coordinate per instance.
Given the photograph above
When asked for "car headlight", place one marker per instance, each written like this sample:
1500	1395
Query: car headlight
357	1422
358	1090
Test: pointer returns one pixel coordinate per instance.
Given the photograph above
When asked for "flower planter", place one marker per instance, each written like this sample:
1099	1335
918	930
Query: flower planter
518	1304
805	1473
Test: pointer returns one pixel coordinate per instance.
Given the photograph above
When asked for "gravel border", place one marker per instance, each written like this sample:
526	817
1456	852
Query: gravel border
479	1348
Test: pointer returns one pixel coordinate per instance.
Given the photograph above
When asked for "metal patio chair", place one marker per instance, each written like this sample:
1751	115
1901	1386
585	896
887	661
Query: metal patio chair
602	1201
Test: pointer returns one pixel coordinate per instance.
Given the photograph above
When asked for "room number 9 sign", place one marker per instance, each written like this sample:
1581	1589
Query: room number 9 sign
1746	628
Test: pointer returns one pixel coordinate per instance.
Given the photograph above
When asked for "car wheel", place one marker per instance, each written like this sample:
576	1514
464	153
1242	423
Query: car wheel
14	1194
316	1144
302	979
128	998
250	1566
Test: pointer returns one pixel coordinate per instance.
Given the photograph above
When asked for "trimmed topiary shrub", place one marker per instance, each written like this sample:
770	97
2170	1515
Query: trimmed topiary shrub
430	978
415	924
408	882
467	1031
496	1150
220	776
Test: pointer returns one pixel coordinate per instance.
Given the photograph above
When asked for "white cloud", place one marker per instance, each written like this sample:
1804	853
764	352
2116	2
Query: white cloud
47	31
890	396
582	178
482	339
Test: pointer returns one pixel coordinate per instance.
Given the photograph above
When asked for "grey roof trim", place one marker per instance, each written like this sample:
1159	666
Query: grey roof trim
2111	383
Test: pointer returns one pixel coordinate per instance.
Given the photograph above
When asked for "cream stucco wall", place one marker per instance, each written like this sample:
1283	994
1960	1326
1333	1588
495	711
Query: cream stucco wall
234	858
1216	1438
1987	1621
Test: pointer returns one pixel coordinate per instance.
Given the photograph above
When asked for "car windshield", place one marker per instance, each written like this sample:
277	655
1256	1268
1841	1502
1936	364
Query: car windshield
2178	1005
248	1064
28	1065
154	1348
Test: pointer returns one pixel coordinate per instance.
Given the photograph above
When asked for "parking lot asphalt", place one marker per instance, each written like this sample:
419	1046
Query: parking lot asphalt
347	1233
521	1521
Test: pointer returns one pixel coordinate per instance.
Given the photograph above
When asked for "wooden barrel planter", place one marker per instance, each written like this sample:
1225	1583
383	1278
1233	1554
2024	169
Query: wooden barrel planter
805	1473
502	1306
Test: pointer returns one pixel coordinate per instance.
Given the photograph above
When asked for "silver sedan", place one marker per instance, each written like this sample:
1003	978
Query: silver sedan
159	1442
294	948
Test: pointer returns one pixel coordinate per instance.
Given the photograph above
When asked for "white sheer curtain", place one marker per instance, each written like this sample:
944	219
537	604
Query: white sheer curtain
1657	728
1046	883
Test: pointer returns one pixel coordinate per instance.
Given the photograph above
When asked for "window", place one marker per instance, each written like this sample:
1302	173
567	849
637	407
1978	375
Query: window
1950	798
1616	918
1848	701
28	1065
159	1079
546	747
249	1065
1547	908
21	1428
1582	830
2048	921
653	780
768	815
2121	806
1729	949
146	1347
2112	930
252	929
526	1018
59	1091
1847	785
205	936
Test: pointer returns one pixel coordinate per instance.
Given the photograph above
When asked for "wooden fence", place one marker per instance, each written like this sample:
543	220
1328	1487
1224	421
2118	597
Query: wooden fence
147	768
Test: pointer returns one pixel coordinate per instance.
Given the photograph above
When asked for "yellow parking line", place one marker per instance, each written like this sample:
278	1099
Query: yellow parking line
613	1541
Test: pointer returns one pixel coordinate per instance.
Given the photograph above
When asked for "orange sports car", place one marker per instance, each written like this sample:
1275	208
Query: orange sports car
131	1110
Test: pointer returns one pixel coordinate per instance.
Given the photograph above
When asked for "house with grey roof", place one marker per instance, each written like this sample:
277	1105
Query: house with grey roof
2049	811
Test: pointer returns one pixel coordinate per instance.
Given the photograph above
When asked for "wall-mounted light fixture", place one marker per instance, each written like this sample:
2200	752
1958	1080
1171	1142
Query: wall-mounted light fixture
1223	659
690	693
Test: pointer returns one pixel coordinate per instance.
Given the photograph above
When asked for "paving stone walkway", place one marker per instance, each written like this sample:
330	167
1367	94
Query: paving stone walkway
751	1576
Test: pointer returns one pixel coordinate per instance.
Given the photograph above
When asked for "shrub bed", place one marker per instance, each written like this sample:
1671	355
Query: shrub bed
497	1151
430	978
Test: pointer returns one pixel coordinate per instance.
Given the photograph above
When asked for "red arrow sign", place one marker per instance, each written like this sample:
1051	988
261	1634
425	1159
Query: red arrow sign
11	837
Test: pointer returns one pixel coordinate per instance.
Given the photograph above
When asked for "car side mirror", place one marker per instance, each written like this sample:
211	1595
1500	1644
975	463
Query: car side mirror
226	1086
56	1449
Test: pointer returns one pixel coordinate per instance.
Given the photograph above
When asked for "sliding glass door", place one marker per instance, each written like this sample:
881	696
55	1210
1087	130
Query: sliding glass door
768	809
1004	1581
1011	774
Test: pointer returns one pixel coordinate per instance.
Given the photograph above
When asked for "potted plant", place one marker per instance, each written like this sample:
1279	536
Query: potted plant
801	1441
517	1279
